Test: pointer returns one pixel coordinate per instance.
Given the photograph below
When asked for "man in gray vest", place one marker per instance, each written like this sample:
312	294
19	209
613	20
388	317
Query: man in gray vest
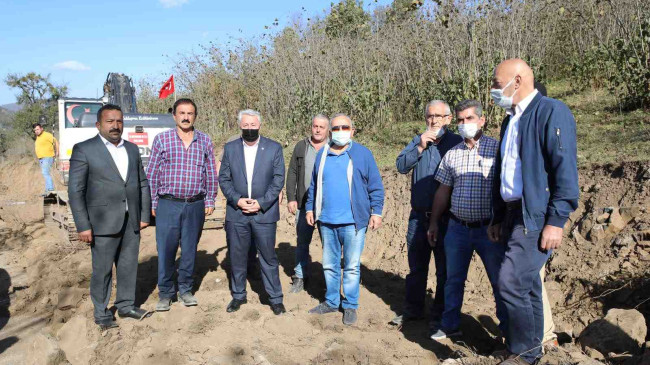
110	202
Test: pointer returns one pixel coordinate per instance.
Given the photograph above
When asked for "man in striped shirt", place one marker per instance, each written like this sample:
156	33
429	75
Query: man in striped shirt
183	183
465	175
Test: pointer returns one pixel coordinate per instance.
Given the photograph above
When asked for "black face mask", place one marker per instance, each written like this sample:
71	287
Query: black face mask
250	135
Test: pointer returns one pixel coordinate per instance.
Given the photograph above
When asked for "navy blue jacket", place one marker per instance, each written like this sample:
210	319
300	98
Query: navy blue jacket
549	167
268	179
424	166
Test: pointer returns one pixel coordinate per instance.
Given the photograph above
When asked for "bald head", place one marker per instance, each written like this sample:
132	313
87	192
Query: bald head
516	77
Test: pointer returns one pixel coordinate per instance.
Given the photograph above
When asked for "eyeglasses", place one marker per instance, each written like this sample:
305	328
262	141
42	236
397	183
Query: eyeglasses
437	116
341	128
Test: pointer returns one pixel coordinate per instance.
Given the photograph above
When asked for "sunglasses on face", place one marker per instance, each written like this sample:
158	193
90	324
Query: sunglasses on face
341	128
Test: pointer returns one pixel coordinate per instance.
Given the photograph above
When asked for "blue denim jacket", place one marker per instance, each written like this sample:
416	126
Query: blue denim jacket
548	152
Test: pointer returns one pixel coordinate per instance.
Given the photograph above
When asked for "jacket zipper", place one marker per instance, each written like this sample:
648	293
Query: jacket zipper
559	139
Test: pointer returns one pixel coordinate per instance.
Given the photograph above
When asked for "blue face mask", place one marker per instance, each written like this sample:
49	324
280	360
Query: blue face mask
341	138
501	100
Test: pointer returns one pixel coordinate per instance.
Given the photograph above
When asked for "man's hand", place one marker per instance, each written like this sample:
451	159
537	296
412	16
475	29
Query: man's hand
143	225
425	138
551	237
494	233
432	234
292	207
209	210
375	222
153	212
310	218
253	206
86	236
244	204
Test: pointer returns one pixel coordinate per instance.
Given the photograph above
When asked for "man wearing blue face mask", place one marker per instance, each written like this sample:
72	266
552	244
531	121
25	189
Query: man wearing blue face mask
346	196
466	176
535	191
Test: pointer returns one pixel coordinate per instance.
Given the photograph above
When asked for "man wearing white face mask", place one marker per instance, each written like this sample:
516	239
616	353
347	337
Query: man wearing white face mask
346	196
535	191
466	176
422	156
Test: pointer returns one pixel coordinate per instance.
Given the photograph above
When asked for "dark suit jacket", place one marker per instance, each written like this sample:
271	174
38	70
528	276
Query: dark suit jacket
268	179
98	193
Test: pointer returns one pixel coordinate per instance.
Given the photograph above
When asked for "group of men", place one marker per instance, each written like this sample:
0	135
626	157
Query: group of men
507	200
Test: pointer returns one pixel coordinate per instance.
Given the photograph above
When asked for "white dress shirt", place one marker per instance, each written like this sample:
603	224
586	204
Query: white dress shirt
120	157
250	152
512	184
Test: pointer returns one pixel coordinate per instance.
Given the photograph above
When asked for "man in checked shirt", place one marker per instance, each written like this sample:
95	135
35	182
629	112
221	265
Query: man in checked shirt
465	175
183	183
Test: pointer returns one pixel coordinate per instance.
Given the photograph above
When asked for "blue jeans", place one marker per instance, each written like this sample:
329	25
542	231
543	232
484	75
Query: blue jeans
351	240
520	286
46	164
304	232
419	257
177	223
460	244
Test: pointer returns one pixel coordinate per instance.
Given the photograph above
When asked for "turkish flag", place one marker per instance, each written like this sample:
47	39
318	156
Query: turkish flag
167	89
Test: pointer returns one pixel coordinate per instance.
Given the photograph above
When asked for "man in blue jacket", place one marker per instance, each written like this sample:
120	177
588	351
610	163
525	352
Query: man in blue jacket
535	191
346	196
422	156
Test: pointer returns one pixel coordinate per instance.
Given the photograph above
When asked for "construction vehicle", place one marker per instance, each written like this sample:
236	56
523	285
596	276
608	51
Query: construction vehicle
76	123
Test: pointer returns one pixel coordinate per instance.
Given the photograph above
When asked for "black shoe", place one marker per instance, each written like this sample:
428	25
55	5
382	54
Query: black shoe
106	324
403	318
234	305
278	309
135	313
297	285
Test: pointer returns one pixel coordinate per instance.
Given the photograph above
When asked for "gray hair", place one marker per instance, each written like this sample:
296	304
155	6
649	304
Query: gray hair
469	103
250	112
341	115
321	116
436	102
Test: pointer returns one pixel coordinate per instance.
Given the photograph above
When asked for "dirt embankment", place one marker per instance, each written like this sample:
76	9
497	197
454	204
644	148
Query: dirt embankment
46	311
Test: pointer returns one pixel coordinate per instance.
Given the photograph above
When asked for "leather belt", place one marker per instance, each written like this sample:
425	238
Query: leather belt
476	224
513	205
191	199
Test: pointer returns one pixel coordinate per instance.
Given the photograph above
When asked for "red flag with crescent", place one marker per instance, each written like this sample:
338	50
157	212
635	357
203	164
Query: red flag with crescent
167	89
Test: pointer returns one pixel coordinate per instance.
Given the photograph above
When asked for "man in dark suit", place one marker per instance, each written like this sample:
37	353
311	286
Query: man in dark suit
110	202
251	178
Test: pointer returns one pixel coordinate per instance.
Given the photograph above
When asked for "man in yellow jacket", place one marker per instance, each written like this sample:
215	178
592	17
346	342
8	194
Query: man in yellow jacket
47	149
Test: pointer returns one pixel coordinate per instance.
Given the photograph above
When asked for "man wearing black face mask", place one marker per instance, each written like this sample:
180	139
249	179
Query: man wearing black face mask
251	178
183	182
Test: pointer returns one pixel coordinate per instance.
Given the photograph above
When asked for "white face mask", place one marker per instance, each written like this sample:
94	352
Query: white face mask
341	138
468	130
438	131
501	100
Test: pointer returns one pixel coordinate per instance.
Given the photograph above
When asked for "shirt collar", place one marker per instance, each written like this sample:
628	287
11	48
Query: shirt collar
329	150
523	104
254	145
107	142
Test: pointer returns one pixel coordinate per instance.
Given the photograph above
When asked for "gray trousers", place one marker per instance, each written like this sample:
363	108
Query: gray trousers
121	249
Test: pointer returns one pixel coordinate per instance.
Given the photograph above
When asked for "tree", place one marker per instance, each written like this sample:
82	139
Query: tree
38	96
347	18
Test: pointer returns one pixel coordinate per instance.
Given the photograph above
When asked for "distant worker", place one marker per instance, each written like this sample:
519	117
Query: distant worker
47	150
422	156
299	175
183	181
535	191
346	197
251	178
466	177
111	204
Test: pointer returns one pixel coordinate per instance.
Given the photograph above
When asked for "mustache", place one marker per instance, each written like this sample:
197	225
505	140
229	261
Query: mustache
115	130
185	121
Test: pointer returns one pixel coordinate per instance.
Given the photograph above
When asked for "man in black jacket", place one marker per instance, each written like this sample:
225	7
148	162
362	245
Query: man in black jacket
111	203
298	181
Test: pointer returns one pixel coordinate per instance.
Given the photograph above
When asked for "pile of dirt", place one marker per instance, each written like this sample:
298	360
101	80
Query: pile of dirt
601	267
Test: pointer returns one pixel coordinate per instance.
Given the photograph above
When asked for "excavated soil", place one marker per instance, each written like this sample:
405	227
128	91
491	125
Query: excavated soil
46	313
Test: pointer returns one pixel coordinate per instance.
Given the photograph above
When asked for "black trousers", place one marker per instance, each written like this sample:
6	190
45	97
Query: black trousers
240	237
122	250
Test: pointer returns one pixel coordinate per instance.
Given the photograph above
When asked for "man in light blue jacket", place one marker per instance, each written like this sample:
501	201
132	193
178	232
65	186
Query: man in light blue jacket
346	197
